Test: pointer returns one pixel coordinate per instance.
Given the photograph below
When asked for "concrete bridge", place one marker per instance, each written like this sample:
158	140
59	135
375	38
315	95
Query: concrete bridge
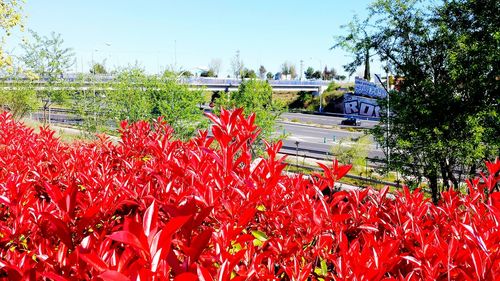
229	84
210	84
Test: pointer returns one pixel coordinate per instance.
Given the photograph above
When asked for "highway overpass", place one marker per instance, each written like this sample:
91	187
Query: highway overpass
210	84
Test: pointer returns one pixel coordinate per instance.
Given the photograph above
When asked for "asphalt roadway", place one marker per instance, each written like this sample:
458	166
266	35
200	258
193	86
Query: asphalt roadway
312	140
323	119
317	142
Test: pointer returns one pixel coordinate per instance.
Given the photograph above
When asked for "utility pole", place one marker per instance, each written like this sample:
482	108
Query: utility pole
175	55
297	154
388	120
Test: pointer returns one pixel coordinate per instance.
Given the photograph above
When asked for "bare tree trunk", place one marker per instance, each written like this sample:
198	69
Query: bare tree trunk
433	184
451	176
444	175
367	66
45	107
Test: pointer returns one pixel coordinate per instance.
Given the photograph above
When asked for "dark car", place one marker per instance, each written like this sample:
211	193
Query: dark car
351	121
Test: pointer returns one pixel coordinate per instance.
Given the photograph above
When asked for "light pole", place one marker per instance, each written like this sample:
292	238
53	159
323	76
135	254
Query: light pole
386	88
92	61
297	154
109	53
388	121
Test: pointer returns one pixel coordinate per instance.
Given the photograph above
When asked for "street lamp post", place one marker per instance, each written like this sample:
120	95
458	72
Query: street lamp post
297	154
388	121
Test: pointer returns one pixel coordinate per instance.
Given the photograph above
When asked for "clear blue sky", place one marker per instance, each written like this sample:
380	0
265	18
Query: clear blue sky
188	34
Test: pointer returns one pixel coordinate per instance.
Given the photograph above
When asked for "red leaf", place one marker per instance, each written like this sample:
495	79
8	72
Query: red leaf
111	275
93	260
150	219
186	276
203	274
198	244
127	238
53	276
495	200
60	229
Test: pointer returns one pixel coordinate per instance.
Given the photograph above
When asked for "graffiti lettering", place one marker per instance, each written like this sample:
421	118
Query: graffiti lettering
365	107
367	88
351	107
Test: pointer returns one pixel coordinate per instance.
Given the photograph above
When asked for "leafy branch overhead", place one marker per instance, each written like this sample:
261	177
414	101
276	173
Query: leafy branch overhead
359	42
446	56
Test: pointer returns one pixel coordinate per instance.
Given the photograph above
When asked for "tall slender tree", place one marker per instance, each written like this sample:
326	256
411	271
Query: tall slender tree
359	42
48	59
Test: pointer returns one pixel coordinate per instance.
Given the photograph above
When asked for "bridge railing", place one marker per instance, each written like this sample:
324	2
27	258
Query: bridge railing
73	77
235	82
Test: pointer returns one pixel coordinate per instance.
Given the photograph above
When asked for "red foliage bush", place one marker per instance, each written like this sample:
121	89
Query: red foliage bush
153	208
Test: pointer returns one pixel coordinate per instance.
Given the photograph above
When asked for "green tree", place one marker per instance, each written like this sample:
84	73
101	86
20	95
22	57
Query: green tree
92	102
329	74
255	96
10	18
208	73
179	105
309	73
237	65
127	100
214	66
436	124
19	99
99	68
316	75
354	153
293	71
249	73
262	72
48	59
269	75
133	96
359	42
186	73
288	69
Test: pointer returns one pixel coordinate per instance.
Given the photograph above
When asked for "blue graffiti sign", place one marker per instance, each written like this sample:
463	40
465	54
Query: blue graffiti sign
360	106
368	89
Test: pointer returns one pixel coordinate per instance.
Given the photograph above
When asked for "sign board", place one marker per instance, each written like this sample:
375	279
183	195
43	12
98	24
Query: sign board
361	106
368	89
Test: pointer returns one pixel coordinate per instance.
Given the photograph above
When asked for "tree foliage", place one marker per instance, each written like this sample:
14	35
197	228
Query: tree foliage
354	153
10	18
289	69
133	95
248	73
262	72
309	72
255	96
359	42
19	99
208	73
99	68
447	56
237	65
47	58
214	66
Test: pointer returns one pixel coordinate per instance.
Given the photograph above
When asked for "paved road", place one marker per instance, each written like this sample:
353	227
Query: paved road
316	142
313	141
323	119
